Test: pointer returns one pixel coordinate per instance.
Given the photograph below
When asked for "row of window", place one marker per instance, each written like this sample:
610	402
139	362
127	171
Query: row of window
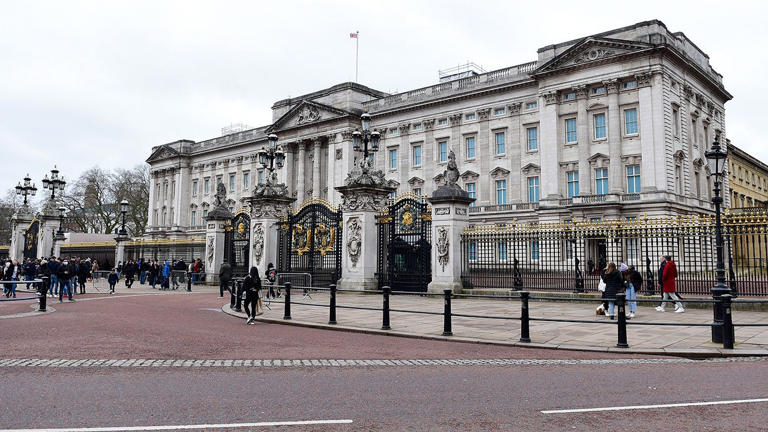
206	185
745	176
532	105
599	90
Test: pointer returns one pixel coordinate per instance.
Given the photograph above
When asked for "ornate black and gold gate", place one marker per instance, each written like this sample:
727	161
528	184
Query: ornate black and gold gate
30	239
404	248
237	243
310	242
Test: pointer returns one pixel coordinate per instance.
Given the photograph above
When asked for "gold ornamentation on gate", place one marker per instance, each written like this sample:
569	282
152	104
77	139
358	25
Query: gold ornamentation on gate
324	239
407	220
301	239
240	228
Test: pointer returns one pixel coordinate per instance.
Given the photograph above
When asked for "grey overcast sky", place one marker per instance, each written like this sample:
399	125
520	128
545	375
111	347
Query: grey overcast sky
99	83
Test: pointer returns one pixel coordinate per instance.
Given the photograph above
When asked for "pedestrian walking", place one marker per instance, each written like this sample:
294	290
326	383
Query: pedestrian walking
635	283
154	271
165	283
614	282
53	267
83	273
130	272
65	273
10	274
225	275
251	291
272	279
669	273
112	281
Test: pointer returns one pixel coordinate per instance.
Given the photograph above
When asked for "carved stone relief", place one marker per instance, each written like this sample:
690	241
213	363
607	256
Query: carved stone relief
354	240
211	245
307	114
443	245
258	242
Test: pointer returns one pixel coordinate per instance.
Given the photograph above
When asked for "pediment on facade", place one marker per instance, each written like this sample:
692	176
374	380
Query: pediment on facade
531	168
162	152
304	113
499	171
393	183
597	106
596	157
469	175
416	181
592	50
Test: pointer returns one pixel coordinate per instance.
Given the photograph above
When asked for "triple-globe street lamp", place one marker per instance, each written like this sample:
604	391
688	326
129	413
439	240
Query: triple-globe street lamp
54	183
27	189
717	155
271	157
361	139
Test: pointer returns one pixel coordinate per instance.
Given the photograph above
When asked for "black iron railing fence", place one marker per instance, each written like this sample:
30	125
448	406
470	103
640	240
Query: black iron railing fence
571	256
727	327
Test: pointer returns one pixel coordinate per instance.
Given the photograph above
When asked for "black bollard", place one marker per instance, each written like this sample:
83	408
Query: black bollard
385	309
622	317
525	335
728	332
332	306
232	294
287	300
43	293
447	313
238	288
189	282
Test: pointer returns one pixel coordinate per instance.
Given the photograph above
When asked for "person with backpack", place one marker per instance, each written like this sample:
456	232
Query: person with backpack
251	291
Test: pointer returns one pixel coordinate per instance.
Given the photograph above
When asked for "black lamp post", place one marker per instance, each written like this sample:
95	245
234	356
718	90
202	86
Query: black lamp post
123	209
361	140
26	189
271	157
60	232
718	155
54	183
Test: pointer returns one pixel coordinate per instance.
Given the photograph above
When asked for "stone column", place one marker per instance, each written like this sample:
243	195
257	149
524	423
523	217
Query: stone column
119	249
360	203
585	139
19	223
485	152
287	172
316	192
651	129
217	223
615	180
548	145
450	215
300	173
49	224
266	215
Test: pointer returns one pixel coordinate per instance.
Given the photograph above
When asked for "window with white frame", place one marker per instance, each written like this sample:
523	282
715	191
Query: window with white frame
417	191
392	159
569	96
173	190
470	146
501	143
193	218
573	183
693	131
598	90
260	175
501	191
194	188
499	111
472	192
470	116
417	126
630	121
601	181
218	180
416	155
533	189
570	131
205	214
633	178
442	122
231	182
533	138
207	185
627	85
675	121
393	131
531	105
246	180
442	150
599	123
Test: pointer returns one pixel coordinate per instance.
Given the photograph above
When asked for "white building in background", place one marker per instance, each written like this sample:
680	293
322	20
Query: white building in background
613	125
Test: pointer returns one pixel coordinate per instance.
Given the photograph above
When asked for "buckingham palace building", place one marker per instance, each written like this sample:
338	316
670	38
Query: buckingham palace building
609	126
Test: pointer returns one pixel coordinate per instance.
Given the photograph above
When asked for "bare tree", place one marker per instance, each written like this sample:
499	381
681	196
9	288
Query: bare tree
133	186
90	202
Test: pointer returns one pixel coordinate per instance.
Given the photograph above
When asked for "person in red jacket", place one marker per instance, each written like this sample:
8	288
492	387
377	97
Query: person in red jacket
668	286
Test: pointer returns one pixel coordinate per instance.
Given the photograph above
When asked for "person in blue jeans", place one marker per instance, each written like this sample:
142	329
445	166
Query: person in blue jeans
635	284
53	267
65	273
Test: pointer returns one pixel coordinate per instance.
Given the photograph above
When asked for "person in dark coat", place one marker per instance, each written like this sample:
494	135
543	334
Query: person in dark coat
614	283
668	291
129	270
225	275
252	288
65	273
112	281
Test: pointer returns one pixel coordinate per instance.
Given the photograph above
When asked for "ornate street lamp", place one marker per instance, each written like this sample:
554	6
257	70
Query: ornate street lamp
361	140
718	155
271	157
123	209
26	189
54	183
60	232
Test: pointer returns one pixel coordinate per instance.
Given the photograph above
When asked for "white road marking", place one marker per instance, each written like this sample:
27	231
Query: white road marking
184	427
642	407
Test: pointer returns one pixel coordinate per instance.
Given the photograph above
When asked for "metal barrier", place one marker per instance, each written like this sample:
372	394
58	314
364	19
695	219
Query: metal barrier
727	327
40	293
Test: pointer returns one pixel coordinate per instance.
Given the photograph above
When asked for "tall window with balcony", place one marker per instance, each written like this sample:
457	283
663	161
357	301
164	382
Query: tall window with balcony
470	146
501	143
633	179
442	149
601	181
573	183
571	136
630	121
533	189
599	122
417	155
393	159
533	139
501	191
472	192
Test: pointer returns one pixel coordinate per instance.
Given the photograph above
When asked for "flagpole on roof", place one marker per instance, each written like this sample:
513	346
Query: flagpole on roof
356	37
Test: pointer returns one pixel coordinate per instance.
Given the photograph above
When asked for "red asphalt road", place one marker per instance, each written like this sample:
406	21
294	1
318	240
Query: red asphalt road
192	326
455	398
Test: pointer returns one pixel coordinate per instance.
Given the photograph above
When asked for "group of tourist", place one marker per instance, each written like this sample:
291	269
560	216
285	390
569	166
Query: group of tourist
250	288
628	280
168	274
66	275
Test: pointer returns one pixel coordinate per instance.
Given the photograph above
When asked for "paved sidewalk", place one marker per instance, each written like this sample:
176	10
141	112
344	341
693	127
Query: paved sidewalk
601	334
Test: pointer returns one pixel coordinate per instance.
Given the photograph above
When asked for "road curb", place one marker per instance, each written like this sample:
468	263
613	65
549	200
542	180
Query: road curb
692	353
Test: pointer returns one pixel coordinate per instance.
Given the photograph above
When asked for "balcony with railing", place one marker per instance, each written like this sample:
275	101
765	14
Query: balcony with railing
519	72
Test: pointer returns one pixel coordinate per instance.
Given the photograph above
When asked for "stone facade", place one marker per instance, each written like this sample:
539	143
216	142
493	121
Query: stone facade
748	179
612	125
